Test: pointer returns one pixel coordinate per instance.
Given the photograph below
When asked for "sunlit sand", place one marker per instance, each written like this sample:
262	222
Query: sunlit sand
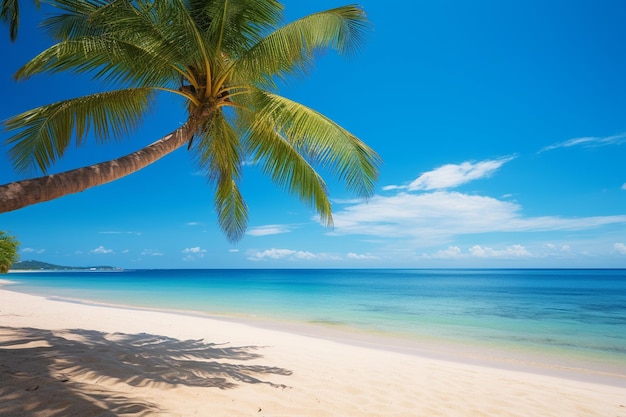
59	358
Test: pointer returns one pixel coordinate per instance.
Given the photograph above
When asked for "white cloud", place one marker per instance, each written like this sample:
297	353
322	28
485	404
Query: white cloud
453	175
624	186
561	248
353	255
620	247
434	218
588	141
31	250
273	253
423	215
101	250
270	229
514	251
151	252
193	253
450	253
304	255
194	224
233	250
478	251
290	254
196	250
111	232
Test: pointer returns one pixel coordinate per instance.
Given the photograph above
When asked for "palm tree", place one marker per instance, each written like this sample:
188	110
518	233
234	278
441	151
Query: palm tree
225	58
10	13
8	251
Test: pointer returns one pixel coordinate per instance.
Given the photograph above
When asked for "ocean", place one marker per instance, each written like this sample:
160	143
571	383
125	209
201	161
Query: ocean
579	315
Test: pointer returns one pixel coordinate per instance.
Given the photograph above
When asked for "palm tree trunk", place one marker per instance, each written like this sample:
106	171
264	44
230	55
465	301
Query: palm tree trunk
20	194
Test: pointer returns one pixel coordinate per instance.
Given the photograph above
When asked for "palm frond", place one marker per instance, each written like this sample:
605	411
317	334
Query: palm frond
321	140
77	19
44	133
288	168
10	13
232	211
218	149
198	52
290	49
140	43
239	24
218	152
109	60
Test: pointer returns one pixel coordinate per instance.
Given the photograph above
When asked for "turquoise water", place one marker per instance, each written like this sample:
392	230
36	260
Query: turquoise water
575	313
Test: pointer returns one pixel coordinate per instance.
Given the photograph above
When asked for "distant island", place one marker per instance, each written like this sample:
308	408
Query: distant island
44	266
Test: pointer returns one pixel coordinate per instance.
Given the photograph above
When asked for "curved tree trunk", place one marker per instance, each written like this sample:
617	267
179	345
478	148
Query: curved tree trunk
20	194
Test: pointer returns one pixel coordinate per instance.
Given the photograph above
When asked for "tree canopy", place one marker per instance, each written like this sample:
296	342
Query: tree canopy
8	251
224	58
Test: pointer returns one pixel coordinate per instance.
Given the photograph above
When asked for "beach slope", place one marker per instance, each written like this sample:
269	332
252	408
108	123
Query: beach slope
60	358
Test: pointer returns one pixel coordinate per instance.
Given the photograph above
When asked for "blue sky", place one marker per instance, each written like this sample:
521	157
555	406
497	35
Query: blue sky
502	126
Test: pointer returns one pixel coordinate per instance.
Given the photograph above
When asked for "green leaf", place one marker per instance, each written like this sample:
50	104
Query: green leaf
289	50
232	211
218	152
289	169
320	139
44	133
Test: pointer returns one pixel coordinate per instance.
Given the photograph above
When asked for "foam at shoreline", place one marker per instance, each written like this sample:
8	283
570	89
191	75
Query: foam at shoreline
460	351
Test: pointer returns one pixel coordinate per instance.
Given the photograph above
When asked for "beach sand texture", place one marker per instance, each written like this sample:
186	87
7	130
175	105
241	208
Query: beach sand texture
60	358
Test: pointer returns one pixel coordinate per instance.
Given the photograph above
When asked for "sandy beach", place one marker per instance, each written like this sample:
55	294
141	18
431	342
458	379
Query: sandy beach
60	358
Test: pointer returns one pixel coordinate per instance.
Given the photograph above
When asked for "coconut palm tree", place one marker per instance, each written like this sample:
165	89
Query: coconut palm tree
10	13
8	251
225	59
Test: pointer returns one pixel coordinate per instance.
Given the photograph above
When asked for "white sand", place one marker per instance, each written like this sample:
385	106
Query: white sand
69	359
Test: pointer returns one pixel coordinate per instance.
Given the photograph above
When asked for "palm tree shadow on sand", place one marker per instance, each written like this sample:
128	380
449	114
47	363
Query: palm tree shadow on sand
68	372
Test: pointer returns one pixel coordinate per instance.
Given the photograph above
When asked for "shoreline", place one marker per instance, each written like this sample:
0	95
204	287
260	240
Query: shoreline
88	358
454	351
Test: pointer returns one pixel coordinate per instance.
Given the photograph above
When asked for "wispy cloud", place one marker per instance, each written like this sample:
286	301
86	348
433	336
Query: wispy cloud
478	251
515	251
452	175
151	252
193	253
620	247
290	254
588	141
101	250
558	248
32	250
353	255
195	250
112	232
436	217
270	229
452	252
